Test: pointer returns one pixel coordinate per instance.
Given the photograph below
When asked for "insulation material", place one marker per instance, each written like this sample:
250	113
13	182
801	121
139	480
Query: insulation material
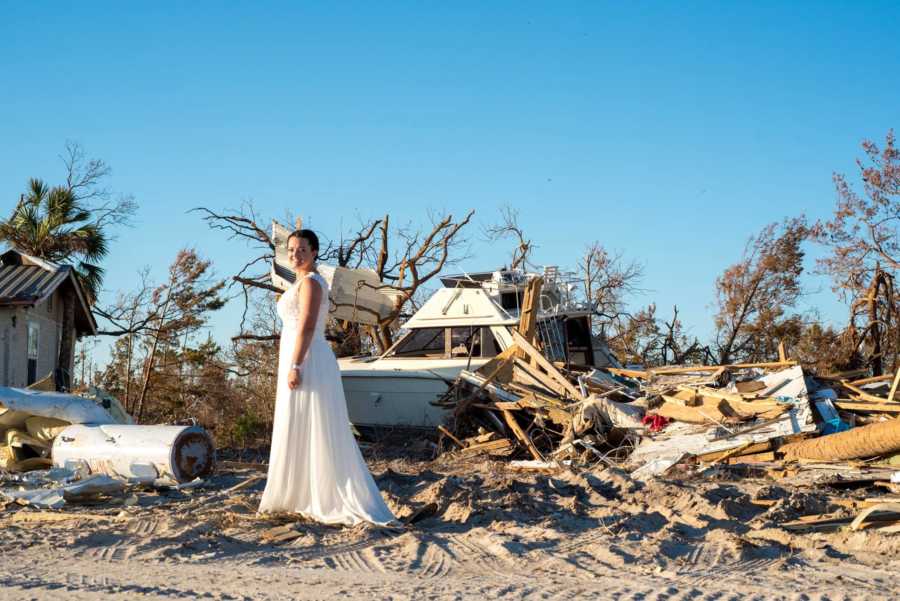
45	429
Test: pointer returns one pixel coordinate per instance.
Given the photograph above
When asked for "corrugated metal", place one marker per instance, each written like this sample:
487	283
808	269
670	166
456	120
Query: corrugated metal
27	283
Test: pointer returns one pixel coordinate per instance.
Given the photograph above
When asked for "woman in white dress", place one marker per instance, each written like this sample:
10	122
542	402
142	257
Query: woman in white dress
315	467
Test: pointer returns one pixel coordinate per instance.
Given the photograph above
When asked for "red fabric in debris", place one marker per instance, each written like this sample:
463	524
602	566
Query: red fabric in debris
656	422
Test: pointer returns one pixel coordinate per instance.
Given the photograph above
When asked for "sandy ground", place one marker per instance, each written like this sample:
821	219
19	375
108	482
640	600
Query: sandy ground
496	534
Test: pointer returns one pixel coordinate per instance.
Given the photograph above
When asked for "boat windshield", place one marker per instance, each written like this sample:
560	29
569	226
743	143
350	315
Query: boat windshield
423	342
465	341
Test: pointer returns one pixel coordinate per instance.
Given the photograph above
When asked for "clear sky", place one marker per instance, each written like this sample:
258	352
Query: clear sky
670	131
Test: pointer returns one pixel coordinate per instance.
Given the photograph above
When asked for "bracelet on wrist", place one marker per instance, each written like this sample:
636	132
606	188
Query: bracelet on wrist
297	366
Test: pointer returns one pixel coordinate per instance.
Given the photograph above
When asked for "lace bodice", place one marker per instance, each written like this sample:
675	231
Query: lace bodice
289	305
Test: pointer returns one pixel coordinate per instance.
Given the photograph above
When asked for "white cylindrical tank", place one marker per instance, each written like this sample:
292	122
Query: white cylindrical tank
137	452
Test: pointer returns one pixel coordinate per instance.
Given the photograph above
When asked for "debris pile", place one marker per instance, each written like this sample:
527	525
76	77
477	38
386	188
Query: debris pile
770	418
57	447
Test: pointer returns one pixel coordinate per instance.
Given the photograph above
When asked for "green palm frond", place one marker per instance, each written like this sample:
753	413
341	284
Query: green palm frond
91	279
49	223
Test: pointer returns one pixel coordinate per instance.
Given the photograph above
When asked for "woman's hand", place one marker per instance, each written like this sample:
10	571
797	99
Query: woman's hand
294	378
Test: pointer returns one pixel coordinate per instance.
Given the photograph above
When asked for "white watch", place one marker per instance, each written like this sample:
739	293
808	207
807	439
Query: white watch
297	366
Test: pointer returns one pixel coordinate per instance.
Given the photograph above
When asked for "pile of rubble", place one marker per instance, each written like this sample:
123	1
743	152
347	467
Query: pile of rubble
57	448
771	419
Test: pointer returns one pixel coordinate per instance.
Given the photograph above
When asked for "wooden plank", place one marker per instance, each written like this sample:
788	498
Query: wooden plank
531	376
530	305
753	458
491	447
707	413
866	406
873	380
705	368
542	361
844	375
748	450
782	355
629	373
890	396
520	434
449	435
863	394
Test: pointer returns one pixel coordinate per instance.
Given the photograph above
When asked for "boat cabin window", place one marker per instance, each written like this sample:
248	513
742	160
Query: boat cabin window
447	343
424	342
512	301
474	341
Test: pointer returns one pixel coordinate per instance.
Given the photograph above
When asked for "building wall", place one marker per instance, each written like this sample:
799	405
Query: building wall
14	340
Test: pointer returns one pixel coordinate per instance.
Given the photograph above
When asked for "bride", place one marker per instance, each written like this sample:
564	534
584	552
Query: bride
315	467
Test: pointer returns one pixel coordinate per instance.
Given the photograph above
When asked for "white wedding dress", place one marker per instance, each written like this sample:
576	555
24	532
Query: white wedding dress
315	467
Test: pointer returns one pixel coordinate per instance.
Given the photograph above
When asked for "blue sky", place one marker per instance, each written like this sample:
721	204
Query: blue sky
668	131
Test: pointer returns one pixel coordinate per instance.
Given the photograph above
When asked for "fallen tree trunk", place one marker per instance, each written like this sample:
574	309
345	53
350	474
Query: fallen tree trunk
873	440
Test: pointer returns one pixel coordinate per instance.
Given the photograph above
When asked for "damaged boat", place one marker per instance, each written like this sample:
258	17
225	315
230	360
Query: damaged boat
461	327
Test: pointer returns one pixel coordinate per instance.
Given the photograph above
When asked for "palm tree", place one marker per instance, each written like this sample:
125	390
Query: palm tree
49	223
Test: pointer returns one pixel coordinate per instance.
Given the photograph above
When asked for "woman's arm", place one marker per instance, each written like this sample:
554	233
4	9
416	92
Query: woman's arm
309	299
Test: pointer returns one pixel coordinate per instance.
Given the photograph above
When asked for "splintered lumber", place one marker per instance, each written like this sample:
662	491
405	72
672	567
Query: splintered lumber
629	373
530	303
491	370
551	411
707	413
764	457
746	449
502	446
449	435
539	359
703	368
863	394
873	380
530	376
873	440
727	403
882	514
521	435
890	396
868	407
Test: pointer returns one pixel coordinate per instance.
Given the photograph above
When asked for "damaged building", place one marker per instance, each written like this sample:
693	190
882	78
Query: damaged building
35	296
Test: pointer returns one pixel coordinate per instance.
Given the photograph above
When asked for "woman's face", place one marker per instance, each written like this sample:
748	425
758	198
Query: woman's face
300	254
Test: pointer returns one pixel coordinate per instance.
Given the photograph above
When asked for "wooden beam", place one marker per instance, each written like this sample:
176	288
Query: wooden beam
872	380
530	375
866	406
782	356
863	394
893	391
530	306
520	434
663	371
542	361
629	373
492	447
449	435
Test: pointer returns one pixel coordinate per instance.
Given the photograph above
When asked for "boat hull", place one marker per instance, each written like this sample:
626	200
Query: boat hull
386	396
